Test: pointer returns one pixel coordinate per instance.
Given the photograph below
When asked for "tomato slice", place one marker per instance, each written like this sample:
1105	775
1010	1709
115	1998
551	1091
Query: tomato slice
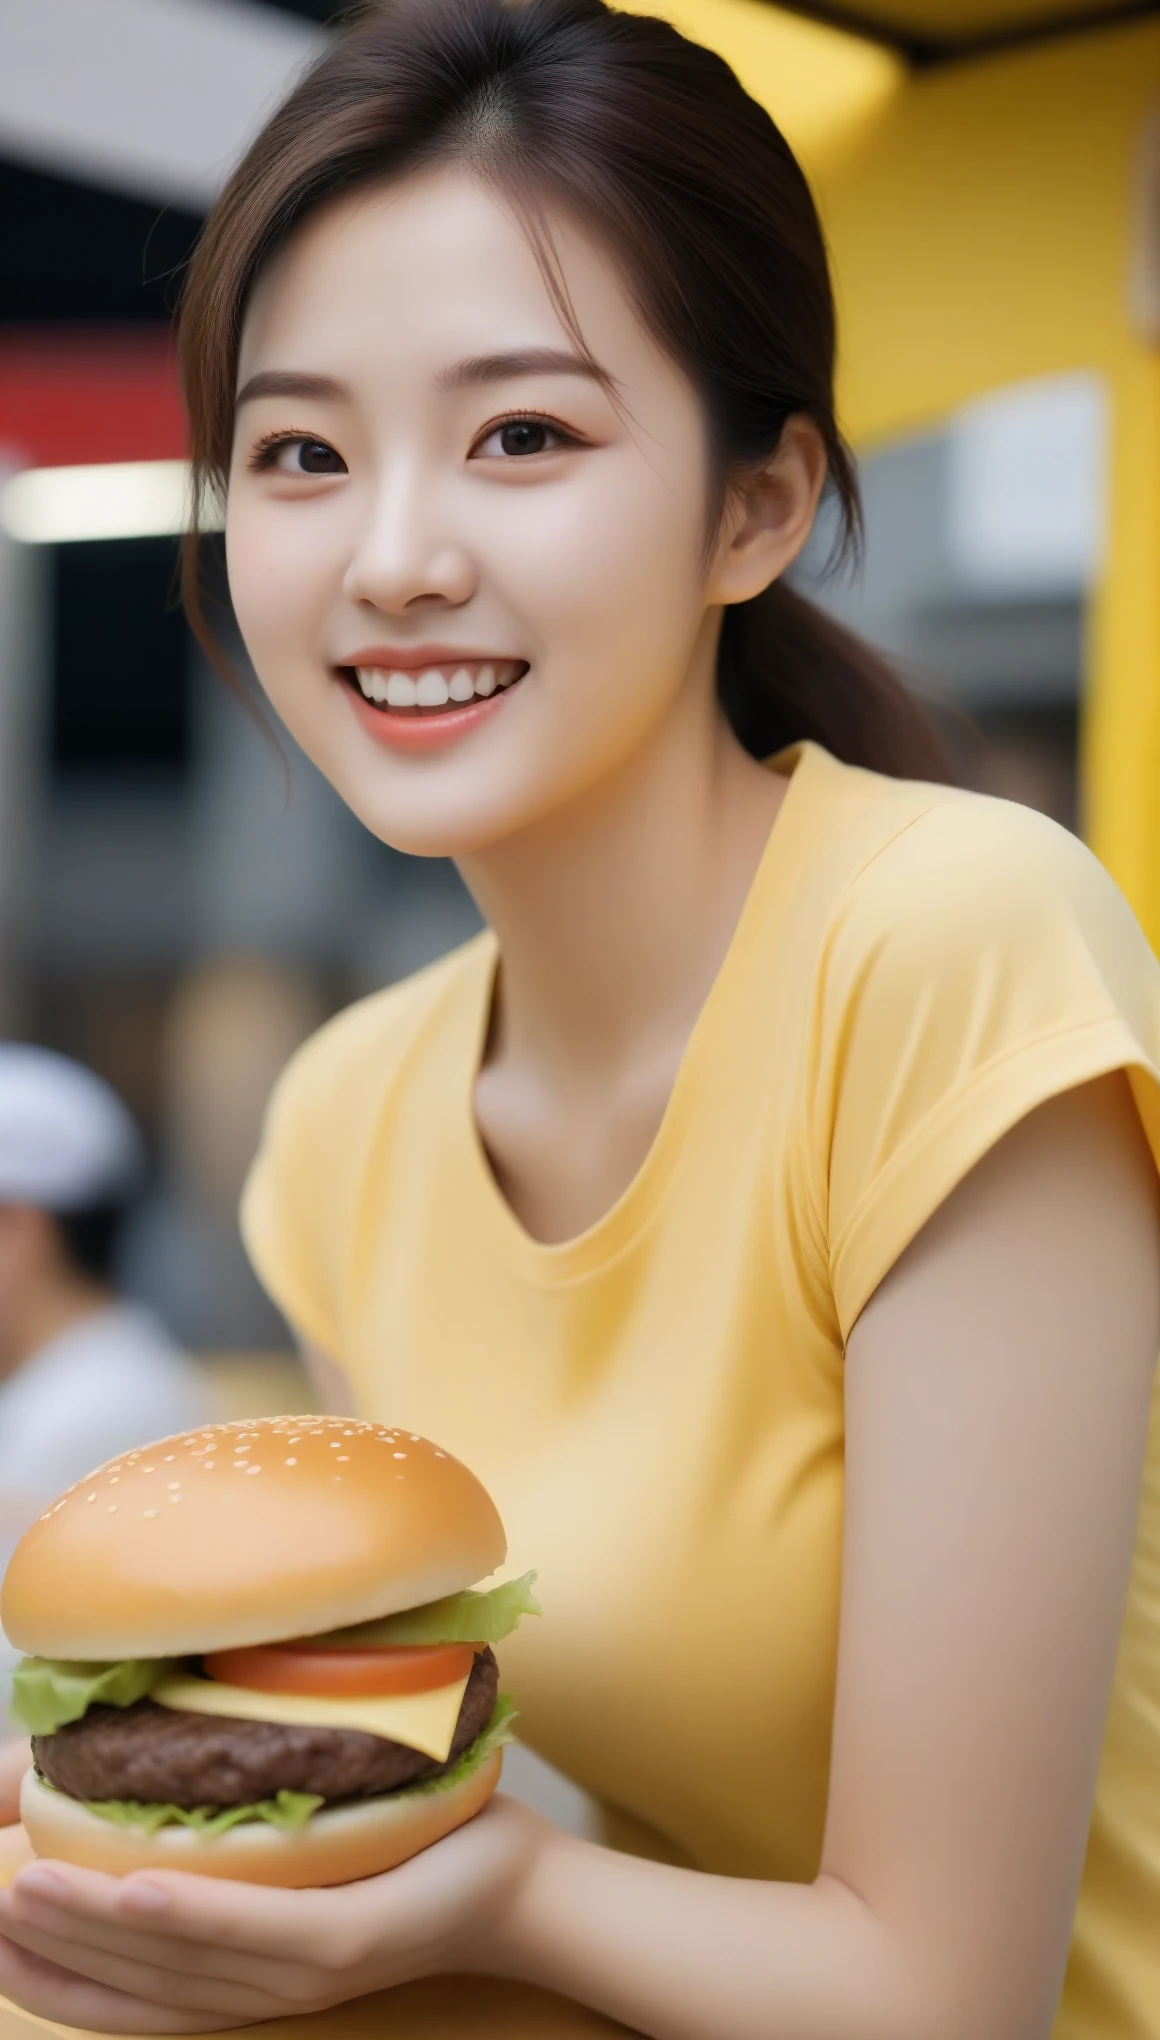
342	1674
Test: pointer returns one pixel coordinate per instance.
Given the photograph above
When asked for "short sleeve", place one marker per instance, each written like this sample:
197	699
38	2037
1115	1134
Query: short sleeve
980	964
283	1215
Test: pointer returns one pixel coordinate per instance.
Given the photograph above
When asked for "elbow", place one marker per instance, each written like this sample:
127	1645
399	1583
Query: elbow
910	1989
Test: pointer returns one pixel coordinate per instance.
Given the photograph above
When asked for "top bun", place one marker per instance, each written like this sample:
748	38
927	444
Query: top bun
247	1533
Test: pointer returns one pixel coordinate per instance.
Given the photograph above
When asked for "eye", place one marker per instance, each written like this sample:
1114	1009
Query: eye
296	453
517	437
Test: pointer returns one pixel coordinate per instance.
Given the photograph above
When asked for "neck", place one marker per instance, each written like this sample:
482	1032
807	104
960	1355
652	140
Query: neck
45	1310
614	914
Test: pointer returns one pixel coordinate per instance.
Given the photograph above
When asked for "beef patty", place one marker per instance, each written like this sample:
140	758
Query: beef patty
159	1755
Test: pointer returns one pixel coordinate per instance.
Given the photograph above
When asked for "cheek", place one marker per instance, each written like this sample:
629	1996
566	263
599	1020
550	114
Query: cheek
611	574
280	581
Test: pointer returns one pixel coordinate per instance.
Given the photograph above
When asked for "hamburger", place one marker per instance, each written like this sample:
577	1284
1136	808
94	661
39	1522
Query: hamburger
257	1651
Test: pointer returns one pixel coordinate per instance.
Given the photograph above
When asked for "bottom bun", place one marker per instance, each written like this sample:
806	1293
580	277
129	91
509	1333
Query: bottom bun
336	1846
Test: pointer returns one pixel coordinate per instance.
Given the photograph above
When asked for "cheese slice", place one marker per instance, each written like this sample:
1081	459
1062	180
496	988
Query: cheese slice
423	1721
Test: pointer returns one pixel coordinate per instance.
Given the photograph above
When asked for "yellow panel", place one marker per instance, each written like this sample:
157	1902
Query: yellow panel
981	235
951	20
819	84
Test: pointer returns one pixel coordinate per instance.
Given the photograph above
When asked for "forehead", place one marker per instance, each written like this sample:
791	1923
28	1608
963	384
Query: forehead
424	272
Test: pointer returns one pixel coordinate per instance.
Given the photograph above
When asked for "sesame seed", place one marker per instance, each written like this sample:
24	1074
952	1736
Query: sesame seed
207	1465
439	1455
171	1484
148	1512
169	1456
343	1459
175	1498
334	1444
253	1469
146	1469
112	1508
290	1462
90	1498
114	1479
398	1455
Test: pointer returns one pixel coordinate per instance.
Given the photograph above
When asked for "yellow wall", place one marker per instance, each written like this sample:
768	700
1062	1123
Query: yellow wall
981	234
978	218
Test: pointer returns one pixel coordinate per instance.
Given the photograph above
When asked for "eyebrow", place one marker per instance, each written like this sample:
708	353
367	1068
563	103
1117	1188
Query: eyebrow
285	382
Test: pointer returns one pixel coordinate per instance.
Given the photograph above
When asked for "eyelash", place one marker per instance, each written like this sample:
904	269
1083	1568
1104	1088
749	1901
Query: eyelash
526	417
270	445
262	455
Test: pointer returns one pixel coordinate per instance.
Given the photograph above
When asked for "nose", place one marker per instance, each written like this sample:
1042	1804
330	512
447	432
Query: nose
406	557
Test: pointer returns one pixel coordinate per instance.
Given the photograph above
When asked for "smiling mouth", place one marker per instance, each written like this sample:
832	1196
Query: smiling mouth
437	689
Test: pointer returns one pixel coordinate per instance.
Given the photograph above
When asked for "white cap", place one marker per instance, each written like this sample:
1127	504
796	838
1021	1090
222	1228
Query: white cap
66	1140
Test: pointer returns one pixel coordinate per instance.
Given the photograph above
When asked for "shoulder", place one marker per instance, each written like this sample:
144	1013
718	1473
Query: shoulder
357	1056
958	880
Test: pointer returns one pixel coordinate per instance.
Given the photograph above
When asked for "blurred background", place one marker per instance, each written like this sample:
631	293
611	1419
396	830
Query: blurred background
182	898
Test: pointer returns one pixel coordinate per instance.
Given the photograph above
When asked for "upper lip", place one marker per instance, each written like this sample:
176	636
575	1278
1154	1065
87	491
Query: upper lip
416	658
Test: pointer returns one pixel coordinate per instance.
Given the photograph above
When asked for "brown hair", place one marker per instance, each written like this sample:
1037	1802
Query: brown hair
650	142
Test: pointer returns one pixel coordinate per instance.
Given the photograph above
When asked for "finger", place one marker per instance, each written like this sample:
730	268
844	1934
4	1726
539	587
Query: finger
239	2002
72	1929
52	1993
253	1919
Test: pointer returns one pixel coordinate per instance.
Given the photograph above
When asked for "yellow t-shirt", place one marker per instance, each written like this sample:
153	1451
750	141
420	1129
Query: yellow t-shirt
657	1405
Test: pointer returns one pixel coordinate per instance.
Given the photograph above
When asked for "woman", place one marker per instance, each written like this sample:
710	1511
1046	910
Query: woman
766	1205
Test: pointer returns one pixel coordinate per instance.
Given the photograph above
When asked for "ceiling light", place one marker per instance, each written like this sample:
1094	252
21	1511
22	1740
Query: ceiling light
125	499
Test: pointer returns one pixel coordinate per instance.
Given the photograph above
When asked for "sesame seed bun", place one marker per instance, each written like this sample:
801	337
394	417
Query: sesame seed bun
336	1846
247	1533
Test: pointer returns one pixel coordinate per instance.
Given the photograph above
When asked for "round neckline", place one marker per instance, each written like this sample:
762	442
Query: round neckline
550	1262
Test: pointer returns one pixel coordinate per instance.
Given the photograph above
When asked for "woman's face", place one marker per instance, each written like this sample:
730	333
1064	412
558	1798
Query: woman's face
434	504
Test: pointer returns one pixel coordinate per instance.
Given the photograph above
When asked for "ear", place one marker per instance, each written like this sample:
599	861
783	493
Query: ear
769	515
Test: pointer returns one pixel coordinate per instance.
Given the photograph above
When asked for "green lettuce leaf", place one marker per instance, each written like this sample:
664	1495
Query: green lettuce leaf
288	1810
291	1810
493	1737
470	1617
48	1692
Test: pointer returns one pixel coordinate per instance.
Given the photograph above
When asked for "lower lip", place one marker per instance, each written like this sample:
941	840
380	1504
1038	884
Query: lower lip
398	730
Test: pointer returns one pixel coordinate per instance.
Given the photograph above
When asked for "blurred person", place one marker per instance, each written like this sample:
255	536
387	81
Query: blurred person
233	1023
83	1374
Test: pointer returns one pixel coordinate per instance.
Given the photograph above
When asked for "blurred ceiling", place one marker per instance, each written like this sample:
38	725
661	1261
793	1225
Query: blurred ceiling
926	30
931	31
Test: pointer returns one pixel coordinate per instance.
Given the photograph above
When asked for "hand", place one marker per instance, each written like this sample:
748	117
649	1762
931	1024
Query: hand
168	1952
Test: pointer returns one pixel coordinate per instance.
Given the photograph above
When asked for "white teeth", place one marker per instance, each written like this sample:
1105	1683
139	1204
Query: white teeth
433	691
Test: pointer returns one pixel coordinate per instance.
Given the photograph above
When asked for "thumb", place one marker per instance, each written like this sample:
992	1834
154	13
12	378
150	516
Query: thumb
15	1758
